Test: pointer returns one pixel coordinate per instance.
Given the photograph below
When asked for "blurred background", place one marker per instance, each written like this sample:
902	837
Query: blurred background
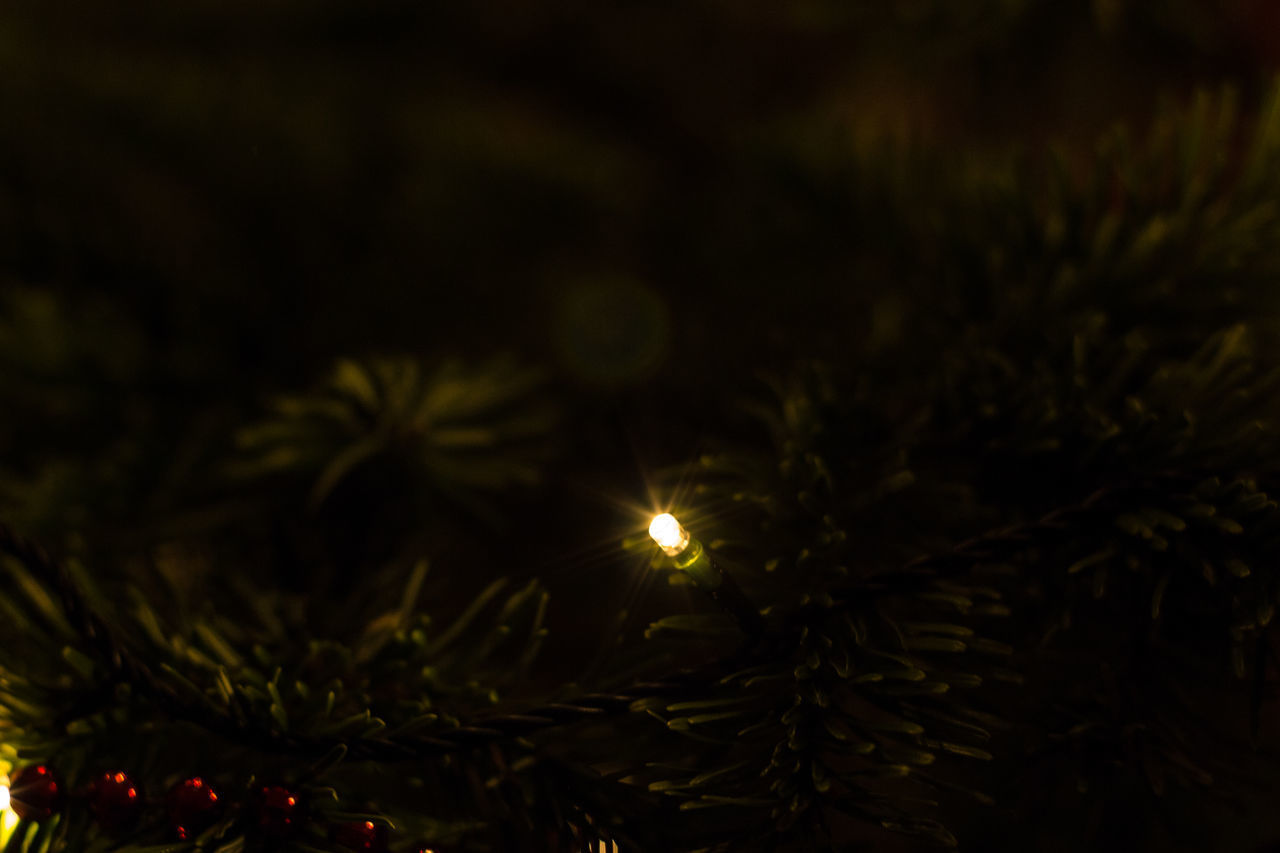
623	192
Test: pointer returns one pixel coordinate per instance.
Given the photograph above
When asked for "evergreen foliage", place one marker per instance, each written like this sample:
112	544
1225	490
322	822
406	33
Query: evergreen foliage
990	436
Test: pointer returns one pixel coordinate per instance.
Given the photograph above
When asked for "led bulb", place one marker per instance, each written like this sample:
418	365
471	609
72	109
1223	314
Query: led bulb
670	535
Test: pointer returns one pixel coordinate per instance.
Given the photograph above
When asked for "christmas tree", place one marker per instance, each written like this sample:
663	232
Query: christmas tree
833	425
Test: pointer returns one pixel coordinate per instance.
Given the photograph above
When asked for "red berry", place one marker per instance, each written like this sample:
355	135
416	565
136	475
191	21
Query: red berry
116	802
361	835
34	793
279	810
193	807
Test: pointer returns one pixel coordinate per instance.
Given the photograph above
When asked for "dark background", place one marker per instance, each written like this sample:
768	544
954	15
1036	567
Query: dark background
268	184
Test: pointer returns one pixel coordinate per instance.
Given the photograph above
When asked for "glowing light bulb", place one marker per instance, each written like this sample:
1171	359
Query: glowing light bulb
8	817
670	535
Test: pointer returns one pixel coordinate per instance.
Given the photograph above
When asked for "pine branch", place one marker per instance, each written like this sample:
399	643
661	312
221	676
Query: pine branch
126	668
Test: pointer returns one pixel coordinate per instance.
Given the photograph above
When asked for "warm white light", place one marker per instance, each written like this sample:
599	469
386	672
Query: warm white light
670	535
4	797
